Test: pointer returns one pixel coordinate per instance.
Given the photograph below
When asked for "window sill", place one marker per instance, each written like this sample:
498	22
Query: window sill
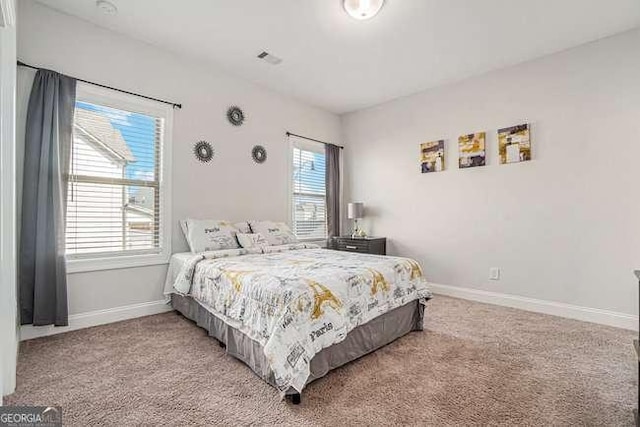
114	263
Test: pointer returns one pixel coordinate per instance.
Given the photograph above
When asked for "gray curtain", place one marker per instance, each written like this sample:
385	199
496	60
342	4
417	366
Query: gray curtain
333	189
42	275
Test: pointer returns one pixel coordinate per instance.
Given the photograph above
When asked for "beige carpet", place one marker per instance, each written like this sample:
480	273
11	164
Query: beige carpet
475	364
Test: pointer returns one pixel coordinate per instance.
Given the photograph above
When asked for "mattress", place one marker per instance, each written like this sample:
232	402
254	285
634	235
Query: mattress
297	300
176	263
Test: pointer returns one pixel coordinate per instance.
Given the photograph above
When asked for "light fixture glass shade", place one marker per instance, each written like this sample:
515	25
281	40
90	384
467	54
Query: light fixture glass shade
106	7
355	210
362	9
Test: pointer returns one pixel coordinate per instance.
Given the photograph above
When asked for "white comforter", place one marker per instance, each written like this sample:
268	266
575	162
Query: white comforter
298	299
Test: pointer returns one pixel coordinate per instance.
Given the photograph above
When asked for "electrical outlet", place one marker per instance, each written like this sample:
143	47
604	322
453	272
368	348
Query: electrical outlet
494	273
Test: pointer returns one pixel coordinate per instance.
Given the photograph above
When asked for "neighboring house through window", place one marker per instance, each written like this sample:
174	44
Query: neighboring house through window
117	185
308	190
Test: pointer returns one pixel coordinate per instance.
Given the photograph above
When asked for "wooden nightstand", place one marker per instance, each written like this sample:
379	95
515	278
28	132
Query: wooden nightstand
363	245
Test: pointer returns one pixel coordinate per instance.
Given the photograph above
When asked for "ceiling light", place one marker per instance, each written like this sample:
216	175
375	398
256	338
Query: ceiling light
106	7
362	9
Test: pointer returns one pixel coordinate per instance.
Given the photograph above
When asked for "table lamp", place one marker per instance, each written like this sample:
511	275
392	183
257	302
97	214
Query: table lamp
355	211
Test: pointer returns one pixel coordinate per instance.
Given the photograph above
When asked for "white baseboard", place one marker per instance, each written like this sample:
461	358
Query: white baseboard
95	318
594	315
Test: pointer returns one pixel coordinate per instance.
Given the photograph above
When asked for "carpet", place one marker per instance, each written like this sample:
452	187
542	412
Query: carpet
475	364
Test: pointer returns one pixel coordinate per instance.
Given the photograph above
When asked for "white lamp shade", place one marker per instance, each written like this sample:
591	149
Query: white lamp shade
355	210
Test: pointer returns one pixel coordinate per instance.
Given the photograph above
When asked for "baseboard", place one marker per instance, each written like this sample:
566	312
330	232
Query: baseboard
95	318
587	314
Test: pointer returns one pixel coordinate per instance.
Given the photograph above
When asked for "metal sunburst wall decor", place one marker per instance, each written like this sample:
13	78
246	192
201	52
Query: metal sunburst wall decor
259	154
203	151
235	115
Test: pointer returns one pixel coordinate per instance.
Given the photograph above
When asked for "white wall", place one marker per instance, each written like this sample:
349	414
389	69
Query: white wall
563	227
231	186
8	310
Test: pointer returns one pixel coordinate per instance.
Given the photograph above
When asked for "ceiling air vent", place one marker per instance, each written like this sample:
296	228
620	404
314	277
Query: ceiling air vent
273	60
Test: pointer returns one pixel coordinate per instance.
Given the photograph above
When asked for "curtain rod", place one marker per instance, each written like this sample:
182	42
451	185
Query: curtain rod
173	104
316	140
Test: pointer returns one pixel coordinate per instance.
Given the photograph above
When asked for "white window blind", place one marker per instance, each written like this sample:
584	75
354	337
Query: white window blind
308	198
114	191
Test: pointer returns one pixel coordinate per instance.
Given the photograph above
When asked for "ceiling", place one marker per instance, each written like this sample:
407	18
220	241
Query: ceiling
337	63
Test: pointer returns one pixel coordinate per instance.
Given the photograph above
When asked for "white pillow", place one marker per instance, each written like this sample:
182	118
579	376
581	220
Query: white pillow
243	227
252	240
210	235
276	233
184	228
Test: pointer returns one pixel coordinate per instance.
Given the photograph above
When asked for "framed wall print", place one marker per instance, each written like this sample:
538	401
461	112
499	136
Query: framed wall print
471	150
432	156
514	144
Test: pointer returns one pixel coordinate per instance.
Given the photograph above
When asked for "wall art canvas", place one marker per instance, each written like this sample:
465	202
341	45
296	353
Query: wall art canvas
432	156
471	150
514	144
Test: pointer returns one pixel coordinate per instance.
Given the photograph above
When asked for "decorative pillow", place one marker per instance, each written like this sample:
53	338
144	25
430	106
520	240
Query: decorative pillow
276	233
252	240
211	235
185	230
243	227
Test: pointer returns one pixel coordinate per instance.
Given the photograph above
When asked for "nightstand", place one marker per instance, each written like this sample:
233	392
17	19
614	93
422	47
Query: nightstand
363	245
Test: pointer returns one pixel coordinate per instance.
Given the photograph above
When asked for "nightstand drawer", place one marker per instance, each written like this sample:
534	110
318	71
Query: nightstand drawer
370	245
353	246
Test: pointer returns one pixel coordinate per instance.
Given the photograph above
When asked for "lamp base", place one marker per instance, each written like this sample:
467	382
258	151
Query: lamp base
357	232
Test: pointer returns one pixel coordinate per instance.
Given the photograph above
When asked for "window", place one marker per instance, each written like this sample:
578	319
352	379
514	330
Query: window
308	196
117	183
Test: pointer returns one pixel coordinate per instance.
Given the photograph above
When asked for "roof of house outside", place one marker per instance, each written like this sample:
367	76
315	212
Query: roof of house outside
100	129
139	210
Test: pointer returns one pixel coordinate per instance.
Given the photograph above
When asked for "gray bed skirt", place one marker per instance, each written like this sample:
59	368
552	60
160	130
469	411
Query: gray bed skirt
364	339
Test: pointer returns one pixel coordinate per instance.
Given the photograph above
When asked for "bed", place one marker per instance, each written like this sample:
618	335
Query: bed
294	312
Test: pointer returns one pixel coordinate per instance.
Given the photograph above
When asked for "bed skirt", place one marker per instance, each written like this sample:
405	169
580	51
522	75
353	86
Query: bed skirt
364	339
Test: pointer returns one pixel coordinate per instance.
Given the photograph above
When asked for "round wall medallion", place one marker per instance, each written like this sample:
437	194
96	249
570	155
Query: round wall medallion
259	154
235	115
203	151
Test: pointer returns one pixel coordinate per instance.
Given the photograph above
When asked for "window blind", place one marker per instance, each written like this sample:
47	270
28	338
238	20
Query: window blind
309	215
113	184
